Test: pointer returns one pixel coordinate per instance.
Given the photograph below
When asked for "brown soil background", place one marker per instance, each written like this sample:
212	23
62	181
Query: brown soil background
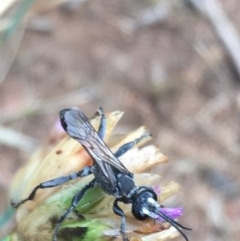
173	76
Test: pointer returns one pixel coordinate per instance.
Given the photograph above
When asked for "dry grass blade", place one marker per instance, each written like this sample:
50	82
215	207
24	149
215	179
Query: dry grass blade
16	140
6	5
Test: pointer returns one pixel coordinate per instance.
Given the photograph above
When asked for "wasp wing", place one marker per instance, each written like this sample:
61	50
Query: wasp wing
76	124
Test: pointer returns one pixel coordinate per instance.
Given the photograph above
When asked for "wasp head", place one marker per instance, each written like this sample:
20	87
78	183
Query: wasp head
145	206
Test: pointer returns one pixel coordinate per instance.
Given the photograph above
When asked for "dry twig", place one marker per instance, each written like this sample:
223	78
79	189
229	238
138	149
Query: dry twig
225	30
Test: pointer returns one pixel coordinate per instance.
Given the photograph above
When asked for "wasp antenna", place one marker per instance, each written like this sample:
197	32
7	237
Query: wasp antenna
175	224
164	216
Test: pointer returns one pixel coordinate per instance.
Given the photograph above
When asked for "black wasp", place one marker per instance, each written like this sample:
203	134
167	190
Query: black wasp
109	173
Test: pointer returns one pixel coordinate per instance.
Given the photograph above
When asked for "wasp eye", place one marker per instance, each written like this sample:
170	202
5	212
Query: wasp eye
142	203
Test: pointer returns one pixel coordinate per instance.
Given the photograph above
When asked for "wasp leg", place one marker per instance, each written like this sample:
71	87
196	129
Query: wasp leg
53	183
118	211
126	147
103	123
76	199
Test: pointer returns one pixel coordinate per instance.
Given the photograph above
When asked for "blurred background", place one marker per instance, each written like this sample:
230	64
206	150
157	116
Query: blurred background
172	65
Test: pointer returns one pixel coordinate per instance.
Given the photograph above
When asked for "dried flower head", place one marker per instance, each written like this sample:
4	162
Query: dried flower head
93	218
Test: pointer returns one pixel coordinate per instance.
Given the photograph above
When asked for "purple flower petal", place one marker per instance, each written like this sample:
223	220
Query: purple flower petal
58	128
157	189
169	212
